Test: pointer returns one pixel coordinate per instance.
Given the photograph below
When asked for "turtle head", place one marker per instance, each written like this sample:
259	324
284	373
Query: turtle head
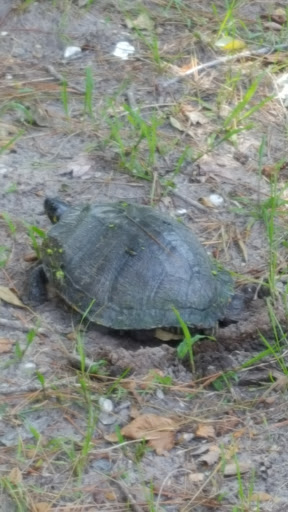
54	208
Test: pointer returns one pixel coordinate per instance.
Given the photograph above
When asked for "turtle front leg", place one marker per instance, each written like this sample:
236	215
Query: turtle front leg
37	293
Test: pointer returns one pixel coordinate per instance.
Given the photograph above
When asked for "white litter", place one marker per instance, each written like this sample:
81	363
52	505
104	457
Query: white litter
282	87
71	51
216	200
123	50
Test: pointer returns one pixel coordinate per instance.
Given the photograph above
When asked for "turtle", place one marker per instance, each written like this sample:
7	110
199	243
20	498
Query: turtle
127	266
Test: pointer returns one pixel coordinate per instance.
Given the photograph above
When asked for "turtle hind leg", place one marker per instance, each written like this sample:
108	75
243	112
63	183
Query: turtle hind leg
37	291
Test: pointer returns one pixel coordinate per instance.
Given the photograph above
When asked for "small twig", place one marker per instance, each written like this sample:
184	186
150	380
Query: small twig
131	99
192	202
132	503
61	79
228	58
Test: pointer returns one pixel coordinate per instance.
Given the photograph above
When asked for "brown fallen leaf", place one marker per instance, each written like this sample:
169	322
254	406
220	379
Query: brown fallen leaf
110	495
211	456
158	430
5	345
205	431
8	296
41	506
194	116
196	477
111	438
261	496
240	432
164	443
271	25
15	476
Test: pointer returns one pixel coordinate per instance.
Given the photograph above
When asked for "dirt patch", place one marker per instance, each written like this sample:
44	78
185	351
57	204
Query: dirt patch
94	127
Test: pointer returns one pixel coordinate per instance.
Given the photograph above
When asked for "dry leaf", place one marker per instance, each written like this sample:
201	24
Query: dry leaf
148	426
143	22
15	476
80	166
8	296
110	495
271	25
163	443
179	126
176	124
5	345
196	477
158	430
212	456
205	431
134	412
111	438
261	496
233	469
41	506
184	69
194	116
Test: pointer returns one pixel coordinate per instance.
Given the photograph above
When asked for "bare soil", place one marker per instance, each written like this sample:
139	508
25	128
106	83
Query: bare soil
45	409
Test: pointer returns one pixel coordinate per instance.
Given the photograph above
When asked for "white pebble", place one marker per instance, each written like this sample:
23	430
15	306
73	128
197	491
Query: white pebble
71	51
216	199
107	419
105	404
4	34
29	366
160	394
123	50
181	211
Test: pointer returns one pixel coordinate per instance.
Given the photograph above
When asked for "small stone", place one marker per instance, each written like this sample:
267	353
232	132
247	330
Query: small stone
160	394
8	76
123	405
216	200
107	419
4	34
71	51
105	404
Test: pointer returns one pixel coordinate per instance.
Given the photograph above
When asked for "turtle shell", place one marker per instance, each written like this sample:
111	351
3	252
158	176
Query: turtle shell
128	266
